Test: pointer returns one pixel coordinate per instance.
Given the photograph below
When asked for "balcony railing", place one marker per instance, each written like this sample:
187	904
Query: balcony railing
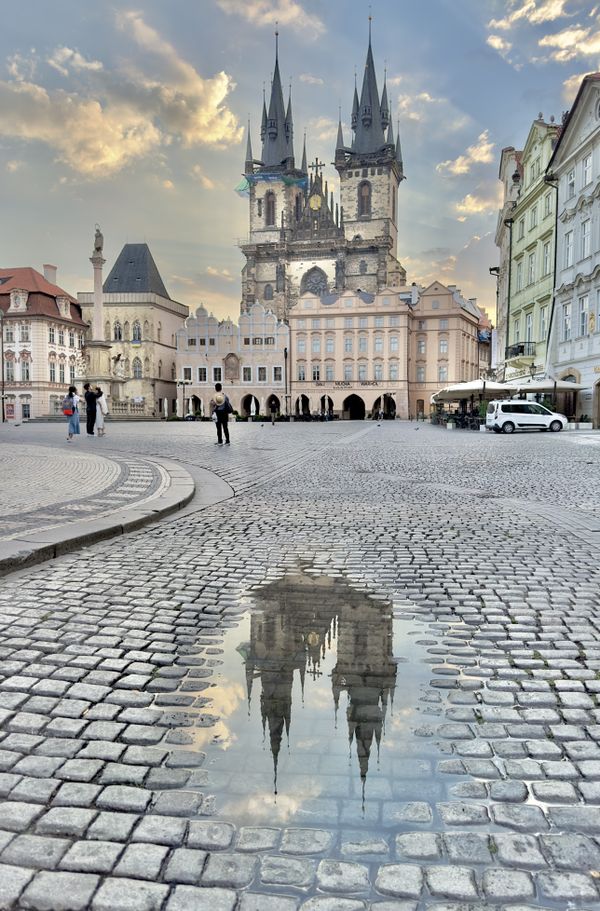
520	349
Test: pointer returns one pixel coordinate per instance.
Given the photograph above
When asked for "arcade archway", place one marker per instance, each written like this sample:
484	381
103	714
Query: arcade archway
386	404
354	408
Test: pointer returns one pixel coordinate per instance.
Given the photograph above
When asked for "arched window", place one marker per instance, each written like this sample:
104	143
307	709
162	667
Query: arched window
268	295
126	331
117	332
173	372
298	205
136	332
137	368
106	332
158	332
364	199
314	281
126	368
270	208
159	369
146	329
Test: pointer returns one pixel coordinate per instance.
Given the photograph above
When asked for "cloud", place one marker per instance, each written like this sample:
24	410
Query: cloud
571	85
122	115
64	58
287	13
419	107
21	68
322	129
481	152
168	185
14	165
499	44
531	12
479	203
310	79
223	274
571	43
206	182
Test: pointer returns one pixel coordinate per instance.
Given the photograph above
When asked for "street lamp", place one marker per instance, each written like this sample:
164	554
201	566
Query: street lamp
2	360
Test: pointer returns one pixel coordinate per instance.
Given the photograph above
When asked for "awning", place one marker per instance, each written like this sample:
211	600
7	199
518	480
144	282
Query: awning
548	385
484	388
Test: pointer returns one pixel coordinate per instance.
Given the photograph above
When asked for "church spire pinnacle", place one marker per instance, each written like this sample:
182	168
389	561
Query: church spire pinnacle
278	146
340	134
249	166
369	129
303	166
399	152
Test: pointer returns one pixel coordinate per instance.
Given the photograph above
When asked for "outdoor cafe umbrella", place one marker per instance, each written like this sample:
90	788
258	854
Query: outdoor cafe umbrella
549	385
474	387
252	407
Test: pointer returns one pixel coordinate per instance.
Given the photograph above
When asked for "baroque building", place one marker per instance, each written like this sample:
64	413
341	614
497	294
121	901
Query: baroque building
43	334
299	238
140	323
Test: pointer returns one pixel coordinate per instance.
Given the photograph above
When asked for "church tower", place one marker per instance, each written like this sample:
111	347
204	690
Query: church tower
371	170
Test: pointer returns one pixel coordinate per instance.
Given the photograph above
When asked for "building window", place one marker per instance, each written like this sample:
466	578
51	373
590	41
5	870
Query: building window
363	322
521	229
517	331
212	342
348	322
442	374
270	208
568	249
420	374
533	219
159	369
301	373
529	327
71	373
520	275
26	411
270	340
378	344
547	204
566	323
246	374
52	368
587	170
394	321
262	374
531	269
71	339
393	342
301	324
362	372
421	324
364	199
191	342
329	373
202	374
421	346
330	344
277	374
217	373
301	346
316	371
546	259
443	346
330	322
348	344
187	373
137	368
246	340
268	293
394	372
316	345
51	335
347	372
543	323
379	322
9	371
61	336
571	183
136	332
24	333
316	324
362	344
61	373
25	372
583	314
585	237
443	324
117	332
378	371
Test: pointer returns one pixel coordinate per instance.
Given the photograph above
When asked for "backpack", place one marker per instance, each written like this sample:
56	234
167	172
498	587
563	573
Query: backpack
67	405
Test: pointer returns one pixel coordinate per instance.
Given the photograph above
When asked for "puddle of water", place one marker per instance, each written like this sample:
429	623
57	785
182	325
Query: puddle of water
318	693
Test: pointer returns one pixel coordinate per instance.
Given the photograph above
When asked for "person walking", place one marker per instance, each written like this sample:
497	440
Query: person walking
220	409
101	410
273	409
70	408
90	408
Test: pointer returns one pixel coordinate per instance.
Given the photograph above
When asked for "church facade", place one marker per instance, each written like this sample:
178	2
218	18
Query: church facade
300	239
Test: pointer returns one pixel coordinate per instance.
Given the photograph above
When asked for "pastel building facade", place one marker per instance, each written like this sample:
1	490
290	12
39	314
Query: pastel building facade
43	336
249	358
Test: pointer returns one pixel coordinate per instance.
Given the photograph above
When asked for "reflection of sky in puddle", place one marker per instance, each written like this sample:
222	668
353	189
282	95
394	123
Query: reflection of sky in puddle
317	695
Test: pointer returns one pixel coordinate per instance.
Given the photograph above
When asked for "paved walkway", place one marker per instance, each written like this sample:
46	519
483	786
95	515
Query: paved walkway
122	781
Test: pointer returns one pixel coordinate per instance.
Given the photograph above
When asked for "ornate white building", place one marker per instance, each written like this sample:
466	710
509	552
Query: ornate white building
43	334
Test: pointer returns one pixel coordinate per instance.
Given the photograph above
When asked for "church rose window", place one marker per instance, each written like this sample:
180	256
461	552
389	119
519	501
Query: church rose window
314	281
270	208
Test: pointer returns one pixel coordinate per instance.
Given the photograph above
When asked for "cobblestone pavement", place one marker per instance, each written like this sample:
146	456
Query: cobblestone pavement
486	545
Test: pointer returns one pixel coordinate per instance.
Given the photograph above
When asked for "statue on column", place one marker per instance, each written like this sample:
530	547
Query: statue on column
340	272
98	242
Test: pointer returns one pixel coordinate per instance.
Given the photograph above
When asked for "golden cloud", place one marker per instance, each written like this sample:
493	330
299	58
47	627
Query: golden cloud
571	43
481	152
532	12
263	13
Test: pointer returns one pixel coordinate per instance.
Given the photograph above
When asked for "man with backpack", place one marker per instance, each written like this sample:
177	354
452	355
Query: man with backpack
220	409
90	409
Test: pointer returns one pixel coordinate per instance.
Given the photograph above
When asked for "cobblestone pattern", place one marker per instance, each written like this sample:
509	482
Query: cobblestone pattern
102	806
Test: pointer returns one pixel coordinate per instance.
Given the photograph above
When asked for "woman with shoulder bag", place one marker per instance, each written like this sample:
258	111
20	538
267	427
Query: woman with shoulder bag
70	407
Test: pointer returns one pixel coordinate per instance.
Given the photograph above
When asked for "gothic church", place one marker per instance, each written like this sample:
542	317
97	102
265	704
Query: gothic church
299	238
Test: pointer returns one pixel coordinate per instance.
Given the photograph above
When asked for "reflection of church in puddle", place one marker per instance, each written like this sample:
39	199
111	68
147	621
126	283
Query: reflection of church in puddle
301	618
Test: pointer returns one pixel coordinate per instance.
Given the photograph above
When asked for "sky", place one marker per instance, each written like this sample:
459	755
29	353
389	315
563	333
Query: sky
134	116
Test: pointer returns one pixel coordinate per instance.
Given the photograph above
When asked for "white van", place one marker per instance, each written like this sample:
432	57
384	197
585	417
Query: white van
516	414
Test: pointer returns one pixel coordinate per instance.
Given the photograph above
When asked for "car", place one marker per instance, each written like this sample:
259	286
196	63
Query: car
509	415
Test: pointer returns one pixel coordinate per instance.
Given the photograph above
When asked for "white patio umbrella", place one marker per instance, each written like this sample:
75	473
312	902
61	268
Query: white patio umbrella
548	385
189	411
201	408
474	387
262	405
166	407
252	406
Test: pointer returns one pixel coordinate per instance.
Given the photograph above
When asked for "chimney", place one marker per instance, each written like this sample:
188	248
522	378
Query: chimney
50	273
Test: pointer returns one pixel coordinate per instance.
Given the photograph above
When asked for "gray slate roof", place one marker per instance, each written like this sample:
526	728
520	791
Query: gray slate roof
135	272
